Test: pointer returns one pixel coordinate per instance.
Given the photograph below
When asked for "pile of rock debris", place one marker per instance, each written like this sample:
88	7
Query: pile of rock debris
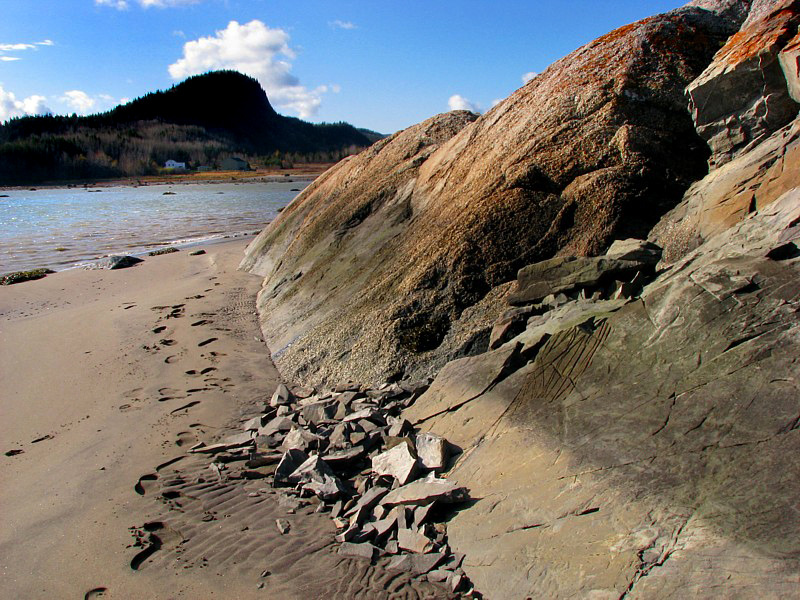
378	477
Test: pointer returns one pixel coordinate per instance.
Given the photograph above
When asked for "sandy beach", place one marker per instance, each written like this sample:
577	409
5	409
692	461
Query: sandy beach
107	378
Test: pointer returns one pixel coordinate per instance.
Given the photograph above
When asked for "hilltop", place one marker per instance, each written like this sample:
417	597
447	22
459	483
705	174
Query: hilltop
200	121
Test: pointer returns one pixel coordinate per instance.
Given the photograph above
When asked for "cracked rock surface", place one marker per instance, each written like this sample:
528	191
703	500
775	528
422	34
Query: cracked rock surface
645	451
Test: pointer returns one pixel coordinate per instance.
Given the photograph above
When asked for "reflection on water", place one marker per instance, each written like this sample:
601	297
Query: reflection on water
58	228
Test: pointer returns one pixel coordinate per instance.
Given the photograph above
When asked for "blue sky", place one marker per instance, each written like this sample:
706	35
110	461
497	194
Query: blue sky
374	63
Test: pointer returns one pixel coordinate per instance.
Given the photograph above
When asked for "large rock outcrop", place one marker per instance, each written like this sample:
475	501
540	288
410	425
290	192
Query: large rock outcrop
745	103
640	451
746	93
379	269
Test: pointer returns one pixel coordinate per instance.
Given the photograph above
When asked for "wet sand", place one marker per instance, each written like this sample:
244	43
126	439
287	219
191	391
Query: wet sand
107	378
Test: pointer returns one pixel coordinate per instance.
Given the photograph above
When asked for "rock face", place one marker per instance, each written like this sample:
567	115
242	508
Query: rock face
745	104
746	93
661	434
371	272
626	428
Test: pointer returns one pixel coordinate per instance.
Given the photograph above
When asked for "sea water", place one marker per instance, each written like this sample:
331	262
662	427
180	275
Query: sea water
63	228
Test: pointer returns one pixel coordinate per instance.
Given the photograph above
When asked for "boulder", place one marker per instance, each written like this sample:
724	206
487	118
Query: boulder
117	262
383	268
570	273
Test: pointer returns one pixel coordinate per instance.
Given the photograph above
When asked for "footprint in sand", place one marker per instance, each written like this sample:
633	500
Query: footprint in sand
208	341
202	322
185	407
159	329
98	592
153	536
167	342
142	486
171	359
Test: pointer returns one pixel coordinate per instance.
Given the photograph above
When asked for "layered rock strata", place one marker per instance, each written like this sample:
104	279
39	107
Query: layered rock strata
641	447
750	89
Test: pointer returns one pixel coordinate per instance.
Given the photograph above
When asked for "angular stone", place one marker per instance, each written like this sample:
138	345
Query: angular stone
400	563
316	476
348	386
424	563
371	413
398	426
301	392
363	550
292	459
276	425
391	547
254	424
568	273
365	504
425	491
283	526
633	249
439	576
281	397
319	412
344	458
400	462
432	450
300	439
413	541
263	459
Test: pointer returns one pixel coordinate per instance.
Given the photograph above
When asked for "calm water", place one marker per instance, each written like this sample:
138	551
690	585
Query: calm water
59	228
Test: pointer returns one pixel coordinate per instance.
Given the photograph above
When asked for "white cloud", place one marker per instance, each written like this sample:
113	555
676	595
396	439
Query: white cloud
256	50
78	101
338	24
528	76
167	3
125	4
21	47
458	102
118	4
11	107
15	47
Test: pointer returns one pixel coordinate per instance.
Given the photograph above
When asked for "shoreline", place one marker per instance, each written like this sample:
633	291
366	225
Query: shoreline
108	378
305	172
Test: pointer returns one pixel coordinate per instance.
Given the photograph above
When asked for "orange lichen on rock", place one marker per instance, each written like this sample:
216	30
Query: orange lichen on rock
757	39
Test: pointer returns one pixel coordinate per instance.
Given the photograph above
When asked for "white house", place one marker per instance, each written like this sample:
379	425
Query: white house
171	164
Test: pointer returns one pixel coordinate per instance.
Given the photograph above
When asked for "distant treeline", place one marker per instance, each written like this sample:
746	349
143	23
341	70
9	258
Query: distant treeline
200	121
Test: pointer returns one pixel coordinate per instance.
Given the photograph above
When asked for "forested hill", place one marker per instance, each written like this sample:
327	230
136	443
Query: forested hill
201	121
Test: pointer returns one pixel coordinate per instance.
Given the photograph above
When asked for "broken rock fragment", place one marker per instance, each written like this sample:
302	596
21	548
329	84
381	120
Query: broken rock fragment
413	541
363	550
425	491
431	450
291	460
400	462
281	397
